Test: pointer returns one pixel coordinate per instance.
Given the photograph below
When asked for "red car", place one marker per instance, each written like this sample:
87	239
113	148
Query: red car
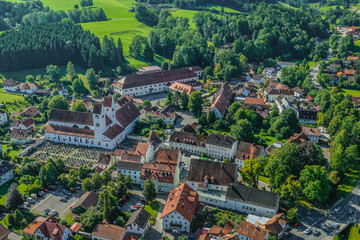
297	224
137	207
123	199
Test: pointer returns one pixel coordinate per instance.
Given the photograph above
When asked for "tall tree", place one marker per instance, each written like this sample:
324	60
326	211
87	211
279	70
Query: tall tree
91	78
149	191
14	198
58	102
70	71
196	103
79	106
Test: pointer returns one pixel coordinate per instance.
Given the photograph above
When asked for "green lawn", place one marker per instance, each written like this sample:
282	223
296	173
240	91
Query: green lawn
6	97
354	93
4	189
269	139
12	153
347	184
264	179
187	14
153	209
218	8
327	8
354	233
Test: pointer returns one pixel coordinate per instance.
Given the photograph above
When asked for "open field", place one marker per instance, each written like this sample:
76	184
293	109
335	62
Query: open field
218	8
6	97
187	14
354	93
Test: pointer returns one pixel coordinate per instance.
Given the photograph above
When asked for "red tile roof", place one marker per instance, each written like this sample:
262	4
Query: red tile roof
87	200
182	199
107	102
182	87
349	72
162	172
222	99
50	228
252	231
127	114
352	58
254	101
80	132
248	150
108	231
299	138
9	83
113	132
76	227
311	131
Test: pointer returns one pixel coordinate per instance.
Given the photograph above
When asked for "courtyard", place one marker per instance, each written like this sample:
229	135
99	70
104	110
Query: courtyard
73	156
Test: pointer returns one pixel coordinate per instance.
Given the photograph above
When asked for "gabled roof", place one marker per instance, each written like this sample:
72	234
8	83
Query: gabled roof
311	131
50	228
87	200
130	165
31	111
277	223
191	128
183	200
19	134
140	217
127	114
80	132
107	102
142	148
158	171
188	138
113	132
152	137
222	99
167	156
299	138
254	101
9	83
108	231
182	87
252	196
82	118
4	232
139	80
308	114
248	150
220	140
217	173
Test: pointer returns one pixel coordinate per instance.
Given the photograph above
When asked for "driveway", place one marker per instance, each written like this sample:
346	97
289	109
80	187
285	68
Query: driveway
52	201
187	118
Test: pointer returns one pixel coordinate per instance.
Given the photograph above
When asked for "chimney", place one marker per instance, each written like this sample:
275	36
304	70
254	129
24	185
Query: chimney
169	65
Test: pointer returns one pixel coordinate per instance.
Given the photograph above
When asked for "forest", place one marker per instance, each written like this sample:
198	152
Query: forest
56	43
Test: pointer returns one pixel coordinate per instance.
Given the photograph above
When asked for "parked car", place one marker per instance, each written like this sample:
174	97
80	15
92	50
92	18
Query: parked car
30	200
307	231
337	209
52	187
316	232
53	213
335	225
297	224
137	207
46	211
63	199
133	209
350	212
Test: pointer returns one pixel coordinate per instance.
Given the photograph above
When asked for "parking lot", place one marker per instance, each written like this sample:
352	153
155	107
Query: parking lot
52	201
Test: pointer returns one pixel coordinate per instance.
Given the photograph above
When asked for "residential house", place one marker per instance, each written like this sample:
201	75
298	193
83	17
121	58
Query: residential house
47	229
164	176
179	209
62	90
187	87
282	104
105	231
228	46
105	161
87	200
278	225
269	70
167	117
222	100
248	151
138	224
286	64
356	101
4	232
307	116
21	137
312	133
10	85
6	172
210	175
25	125
189	142
198	71
352	58
241	94
255	78
190	128
221	146
29	112
105	127
298	92
273	93
131	167
3	117
249	231
28	88
249	101
298	138
220	233
144	84
270	149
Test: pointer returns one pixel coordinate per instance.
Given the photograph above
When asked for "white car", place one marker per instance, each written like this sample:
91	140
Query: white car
53	213
30	200
337	209
307	231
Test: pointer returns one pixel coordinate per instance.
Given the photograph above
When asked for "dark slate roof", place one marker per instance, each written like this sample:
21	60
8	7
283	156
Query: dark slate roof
188	138
157	77
308	114
220	140
83	118
217	173
5	167
127	114
133	166
87	200
252	196
139	217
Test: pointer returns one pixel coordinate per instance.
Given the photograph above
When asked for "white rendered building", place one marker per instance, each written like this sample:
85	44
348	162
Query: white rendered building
3	117
6	172
106	127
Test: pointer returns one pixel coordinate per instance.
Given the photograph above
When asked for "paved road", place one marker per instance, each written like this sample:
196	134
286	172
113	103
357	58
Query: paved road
324	220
